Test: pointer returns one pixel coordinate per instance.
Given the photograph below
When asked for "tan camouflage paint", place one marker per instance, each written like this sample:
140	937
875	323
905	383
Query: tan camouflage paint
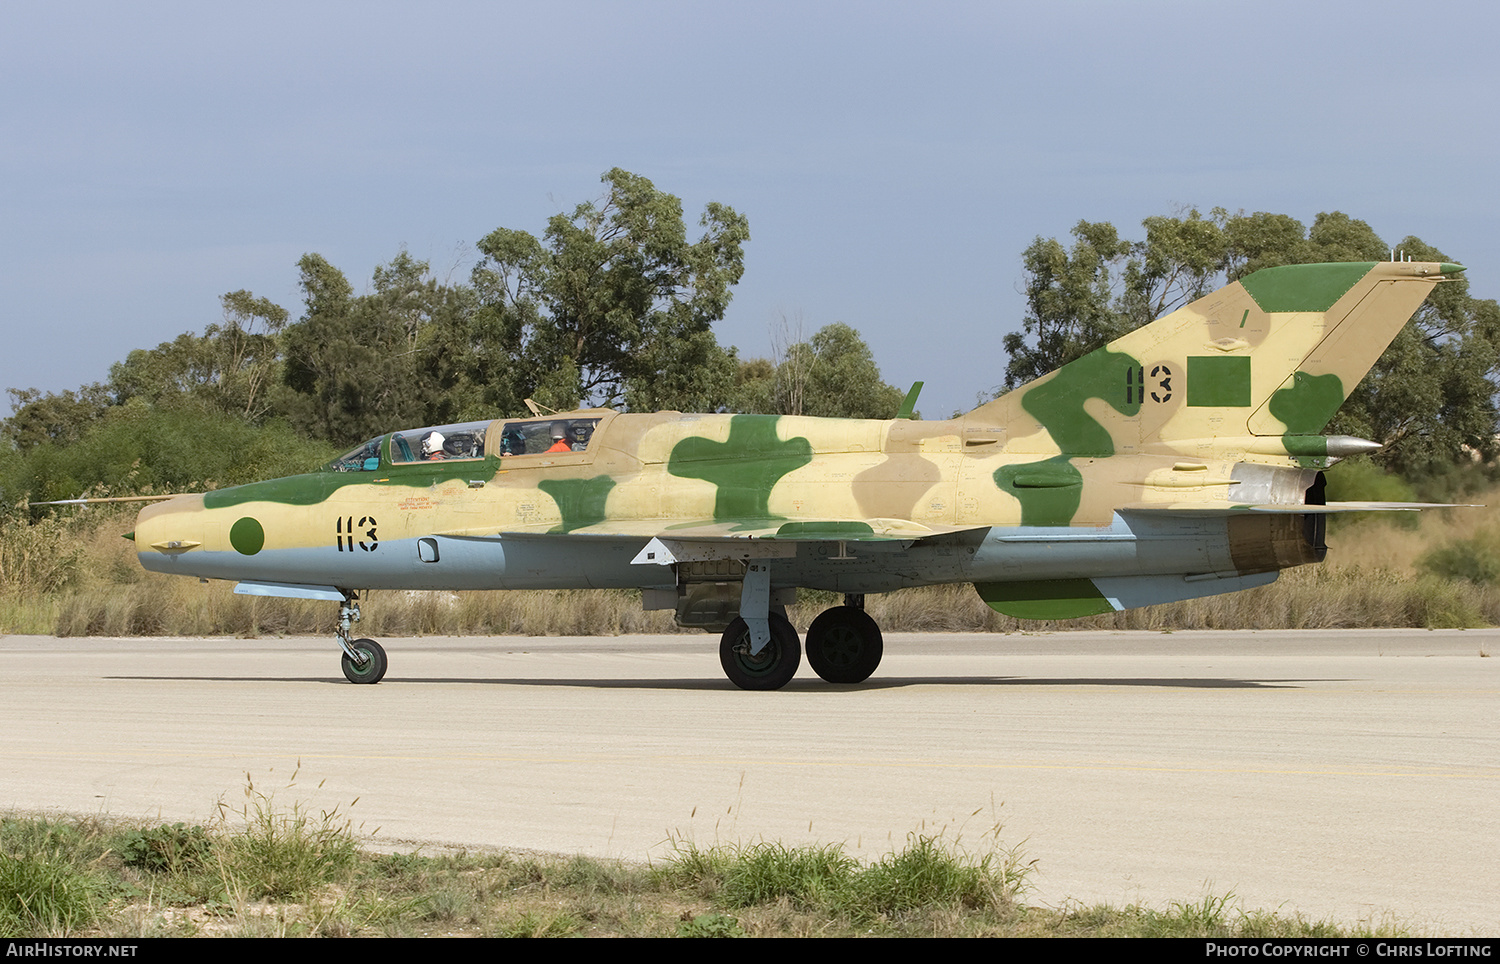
1164	417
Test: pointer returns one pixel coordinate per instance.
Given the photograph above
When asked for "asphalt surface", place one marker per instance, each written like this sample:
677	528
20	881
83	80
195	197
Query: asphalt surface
1346	774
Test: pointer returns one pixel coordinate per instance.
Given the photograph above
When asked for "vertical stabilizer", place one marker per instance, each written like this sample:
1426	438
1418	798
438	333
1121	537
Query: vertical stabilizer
1273	354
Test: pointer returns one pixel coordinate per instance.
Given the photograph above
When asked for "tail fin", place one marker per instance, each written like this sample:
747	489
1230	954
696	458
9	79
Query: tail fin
1273	354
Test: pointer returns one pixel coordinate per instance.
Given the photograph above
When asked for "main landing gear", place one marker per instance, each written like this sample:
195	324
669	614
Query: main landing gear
364	659
771	668
844	645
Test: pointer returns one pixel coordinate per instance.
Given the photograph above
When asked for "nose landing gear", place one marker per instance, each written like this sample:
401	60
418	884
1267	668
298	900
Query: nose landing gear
364	659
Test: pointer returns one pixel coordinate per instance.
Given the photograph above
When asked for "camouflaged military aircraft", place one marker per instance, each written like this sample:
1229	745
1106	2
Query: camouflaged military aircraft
1180	460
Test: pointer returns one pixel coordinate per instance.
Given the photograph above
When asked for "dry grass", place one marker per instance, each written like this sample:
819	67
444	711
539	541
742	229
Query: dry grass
77	577
162	605
38	559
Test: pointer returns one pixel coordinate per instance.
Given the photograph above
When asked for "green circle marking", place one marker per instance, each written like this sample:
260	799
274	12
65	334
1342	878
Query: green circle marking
247	536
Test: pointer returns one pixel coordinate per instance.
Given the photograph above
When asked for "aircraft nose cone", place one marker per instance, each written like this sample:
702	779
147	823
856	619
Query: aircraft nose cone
168	528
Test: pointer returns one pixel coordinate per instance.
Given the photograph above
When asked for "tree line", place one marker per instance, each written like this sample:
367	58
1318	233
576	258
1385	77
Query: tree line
614	304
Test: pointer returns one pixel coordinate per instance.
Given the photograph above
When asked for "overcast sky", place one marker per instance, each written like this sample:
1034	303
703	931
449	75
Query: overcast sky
893	159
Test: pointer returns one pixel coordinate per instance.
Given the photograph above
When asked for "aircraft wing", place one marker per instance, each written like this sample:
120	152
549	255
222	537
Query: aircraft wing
701	541
825	530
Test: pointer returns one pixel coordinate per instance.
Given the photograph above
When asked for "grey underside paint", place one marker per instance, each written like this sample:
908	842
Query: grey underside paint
1129	547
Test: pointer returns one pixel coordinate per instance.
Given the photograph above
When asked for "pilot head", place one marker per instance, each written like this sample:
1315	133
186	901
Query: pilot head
432	444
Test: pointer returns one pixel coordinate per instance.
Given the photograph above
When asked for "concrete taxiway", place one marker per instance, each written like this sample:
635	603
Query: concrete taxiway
1344	774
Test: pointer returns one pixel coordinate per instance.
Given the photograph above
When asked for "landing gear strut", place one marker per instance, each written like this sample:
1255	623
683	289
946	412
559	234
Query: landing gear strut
364	659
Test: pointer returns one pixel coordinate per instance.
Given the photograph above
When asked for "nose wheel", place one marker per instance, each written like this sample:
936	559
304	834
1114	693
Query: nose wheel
364	659
372	664
372	667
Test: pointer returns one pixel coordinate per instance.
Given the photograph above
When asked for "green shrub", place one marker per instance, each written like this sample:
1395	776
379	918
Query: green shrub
166	849
711	925
1476	560
927	874
809	877
1360	480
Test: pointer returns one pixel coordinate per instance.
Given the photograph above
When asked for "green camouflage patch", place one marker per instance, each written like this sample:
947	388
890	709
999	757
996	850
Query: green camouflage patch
1058	403
1049	491
581	501
295	490
1218	381
1309	403
317	487
1049	599
1304	287
744	468
824	530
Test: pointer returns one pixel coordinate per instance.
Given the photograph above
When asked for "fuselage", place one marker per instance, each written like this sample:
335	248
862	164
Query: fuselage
954	501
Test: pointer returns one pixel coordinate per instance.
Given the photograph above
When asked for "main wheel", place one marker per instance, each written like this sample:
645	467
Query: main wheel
372	670
844	645
771	668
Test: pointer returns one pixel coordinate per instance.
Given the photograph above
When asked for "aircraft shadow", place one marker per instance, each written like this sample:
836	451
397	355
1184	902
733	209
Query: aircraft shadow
796	685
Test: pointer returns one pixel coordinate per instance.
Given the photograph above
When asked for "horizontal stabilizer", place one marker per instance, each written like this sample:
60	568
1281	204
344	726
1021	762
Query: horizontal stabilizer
1076	598
1236	508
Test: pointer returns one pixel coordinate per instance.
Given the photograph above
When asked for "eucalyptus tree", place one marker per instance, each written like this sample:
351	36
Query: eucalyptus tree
831	375
613	303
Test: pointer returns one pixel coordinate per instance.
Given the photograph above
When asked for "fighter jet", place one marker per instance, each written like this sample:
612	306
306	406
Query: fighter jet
1181	460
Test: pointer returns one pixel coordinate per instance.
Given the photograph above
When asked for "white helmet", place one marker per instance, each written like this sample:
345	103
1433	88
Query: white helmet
432	443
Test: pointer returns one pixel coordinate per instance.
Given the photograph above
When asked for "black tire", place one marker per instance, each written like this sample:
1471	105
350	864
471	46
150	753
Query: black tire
373	669
844	645
773	668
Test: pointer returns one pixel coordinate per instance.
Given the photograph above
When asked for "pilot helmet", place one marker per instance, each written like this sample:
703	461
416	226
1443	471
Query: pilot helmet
432	443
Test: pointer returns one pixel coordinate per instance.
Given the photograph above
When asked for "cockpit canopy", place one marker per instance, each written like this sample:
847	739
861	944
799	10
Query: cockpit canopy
539	436
361	458
472	440
439	443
